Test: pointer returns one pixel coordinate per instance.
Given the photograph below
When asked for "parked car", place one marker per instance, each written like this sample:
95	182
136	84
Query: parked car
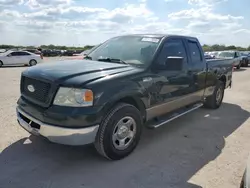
124	84
214	54
46	53
2	50
68	53
207	56
34	51
10	58
79	56
84	53
245	59
51	53
233	55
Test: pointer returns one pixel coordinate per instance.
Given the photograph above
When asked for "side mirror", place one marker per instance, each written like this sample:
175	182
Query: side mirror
9	55
174	63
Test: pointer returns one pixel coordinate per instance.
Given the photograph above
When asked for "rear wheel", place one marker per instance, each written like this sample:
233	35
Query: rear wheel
238	66
244	63
32	62
1	63
119	132
215	100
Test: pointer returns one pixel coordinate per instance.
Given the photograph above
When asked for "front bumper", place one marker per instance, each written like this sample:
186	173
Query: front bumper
60	135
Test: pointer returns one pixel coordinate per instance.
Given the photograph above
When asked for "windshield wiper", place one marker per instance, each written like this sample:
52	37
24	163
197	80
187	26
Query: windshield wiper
88	57
107	59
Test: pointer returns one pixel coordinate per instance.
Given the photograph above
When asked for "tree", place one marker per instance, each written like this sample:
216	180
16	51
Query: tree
206	47
232	47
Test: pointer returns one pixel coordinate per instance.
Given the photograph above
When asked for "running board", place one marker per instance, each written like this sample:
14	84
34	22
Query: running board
167	118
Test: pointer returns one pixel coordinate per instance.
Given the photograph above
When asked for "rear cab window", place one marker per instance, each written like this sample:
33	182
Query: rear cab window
195	52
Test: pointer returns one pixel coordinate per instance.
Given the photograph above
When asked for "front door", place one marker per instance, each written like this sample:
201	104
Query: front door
171	88
12	58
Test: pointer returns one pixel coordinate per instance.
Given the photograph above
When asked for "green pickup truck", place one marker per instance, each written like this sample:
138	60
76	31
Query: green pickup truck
122	85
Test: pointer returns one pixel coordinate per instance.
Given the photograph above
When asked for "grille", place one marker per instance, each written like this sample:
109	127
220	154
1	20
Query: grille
41	89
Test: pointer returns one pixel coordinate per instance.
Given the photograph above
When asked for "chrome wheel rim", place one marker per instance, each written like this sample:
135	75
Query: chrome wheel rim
32	62
124	133
219	95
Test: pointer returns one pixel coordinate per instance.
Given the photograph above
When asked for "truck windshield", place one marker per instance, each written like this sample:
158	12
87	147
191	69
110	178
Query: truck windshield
136	50
226	54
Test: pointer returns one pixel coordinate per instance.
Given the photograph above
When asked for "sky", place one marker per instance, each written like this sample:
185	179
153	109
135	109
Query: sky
89	22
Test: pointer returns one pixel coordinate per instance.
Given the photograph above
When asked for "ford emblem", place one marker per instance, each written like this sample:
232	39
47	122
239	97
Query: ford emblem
31	88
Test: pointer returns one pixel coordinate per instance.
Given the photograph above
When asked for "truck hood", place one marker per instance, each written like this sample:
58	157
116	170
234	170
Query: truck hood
77	72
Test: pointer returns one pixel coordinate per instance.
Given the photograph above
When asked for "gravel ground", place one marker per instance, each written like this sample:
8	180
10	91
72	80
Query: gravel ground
202	149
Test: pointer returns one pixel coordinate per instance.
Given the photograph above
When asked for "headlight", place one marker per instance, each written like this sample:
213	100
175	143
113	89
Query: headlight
74	97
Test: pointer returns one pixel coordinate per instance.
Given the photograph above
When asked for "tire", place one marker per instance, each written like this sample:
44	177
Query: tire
243	183
107	139
212	101
1	63
245	63
32	62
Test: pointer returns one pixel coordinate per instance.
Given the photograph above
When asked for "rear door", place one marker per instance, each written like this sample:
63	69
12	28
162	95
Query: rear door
197	68
25	57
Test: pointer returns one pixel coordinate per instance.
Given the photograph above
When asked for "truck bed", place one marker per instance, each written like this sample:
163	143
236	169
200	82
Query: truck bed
221	67
220	62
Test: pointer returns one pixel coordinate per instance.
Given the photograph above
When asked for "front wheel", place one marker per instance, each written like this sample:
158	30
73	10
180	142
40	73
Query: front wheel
215	100
1	63
119	132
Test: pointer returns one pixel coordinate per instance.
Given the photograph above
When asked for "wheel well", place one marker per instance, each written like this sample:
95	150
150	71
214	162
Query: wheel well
137	103
223	79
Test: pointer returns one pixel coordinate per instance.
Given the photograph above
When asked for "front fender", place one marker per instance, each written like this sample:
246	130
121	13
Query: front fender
120	90
123	90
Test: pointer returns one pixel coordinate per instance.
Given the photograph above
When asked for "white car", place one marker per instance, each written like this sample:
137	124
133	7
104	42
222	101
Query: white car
11	58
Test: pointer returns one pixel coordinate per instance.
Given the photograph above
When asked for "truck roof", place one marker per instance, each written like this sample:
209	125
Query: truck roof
160	35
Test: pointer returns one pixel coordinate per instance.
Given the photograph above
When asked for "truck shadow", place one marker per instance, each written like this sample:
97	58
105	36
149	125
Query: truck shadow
240	70
14	66
166	157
